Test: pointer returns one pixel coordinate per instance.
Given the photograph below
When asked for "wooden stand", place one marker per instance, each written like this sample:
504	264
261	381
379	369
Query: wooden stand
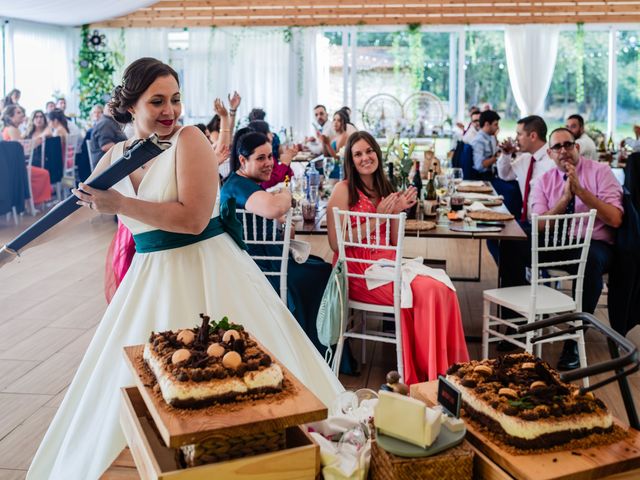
154	431
620	460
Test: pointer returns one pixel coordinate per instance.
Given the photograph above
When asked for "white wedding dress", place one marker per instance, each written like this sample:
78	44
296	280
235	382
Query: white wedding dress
166	290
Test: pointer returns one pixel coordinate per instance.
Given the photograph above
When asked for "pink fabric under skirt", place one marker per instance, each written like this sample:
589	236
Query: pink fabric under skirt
119	258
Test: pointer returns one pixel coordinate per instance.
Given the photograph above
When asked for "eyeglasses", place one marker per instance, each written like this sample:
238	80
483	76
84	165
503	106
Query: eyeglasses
566	145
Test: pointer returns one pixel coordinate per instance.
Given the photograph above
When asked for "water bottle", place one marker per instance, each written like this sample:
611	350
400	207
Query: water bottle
313	179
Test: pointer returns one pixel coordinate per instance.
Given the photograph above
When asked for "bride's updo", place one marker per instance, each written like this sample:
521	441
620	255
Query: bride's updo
135	81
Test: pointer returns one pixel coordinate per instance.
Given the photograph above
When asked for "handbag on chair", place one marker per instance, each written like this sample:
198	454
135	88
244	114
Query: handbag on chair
333	309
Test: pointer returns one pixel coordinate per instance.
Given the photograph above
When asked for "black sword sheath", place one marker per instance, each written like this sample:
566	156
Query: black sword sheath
140	153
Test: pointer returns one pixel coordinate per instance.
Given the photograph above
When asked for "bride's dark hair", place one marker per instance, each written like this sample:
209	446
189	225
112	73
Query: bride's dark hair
135	81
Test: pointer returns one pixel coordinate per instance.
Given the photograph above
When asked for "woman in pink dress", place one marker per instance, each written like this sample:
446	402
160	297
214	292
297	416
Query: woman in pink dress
432	333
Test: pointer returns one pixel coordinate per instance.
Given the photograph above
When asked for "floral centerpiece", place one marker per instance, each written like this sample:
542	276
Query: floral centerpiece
398	157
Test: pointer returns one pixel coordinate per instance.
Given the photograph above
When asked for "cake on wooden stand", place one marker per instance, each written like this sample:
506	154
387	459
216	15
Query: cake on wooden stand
212	399
505	402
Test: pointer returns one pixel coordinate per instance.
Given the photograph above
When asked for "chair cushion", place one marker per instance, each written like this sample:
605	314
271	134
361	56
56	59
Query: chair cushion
518	298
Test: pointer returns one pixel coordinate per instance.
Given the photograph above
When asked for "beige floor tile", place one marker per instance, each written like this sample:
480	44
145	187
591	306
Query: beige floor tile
18	448
21	407
48	378
43	343
11	370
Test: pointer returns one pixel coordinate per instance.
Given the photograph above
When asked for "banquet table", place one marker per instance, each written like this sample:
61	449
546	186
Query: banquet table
511	231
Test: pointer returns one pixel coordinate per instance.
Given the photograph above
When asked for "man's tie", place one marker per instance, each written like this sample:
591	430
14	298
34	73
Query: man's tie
527	190
571	206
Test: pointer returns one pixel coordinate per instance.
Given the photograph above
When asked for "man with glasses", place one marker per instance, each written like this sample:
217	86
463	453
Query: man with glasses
577	185
575	123
473	128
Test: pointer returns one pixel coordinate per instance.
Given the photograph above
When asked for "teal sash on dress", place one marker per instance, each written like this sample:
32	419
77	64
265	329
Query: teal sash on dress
158	240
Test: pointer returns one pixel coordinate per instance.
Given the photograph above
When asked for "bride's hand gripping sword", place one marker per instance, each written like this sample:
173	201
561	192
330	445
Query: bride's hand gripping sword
136	156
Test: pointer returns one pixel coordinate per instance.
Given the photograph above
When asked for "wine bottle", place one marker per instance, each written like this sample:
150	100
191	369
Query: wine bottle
431	197
611	147
391	175
417	182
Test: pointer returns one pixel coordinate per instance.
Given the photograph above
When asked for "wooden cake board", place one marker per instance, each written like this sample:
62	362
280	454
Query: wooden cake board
620	460
179	426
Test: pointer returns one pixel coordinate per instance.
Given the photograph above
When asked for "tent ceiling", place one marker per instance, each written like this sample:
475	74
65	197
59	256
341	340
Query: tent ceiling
190	13
69	12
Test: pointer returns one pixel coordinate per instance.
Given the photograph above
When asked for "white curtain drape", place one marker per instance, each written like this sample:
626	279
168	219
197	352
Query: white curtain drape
145	42
531	52
197	94
41	62
273	69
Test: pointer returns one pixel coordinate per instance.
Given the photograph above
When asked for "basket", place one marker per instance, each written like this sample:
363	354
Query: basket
454	464
221	447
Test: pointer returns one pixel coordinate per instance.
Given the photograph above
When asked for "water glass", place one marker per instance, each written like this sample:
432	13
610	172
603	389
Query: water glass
457	175
328	165
308	210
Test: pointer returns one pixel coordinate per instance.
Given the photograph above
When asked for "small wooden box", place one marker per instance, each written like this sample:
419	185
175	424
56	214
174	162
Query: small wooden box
299	460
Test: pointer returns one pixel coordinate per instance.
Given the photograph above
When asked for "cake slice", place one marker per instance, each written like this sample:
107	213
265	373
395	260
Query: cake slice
210	363
522	400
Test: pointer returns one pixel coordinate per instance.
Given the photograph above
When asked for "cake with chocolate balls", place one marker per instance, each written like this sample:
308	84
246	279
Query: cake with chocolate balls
215	362
523	402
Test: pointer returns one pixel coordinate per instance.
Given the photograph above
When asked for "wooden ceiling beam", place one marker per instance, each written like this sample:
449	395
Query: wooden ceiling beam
302	22
330	11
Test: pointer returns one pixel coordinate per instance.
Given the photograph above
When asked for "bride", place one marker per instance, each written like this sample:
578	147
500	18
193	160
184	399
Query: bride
176	278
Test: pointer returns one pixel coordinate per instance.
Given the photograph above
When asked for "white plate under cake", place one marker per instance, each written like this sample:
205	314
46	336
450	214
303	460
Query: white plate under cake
523	402
209	364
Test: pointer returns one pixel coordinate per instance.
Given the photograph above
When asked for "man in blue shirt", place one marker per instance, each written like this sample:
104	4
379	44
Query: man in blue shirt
485	145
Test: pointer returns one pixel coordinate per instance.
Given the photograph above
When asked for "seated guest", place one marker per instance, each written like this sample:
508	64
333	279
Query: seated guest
531	164
252	163
12	117
12	98
575	123
282	156
59	125
432	333
485	145
333	146
213	127
633	144
472	129
351	128
106	133
49	106
322	126
576	185
37	128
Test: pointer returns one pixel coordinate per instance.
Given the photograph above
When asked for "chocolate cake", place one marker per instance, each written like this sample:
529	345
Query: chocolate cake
210	363
522	400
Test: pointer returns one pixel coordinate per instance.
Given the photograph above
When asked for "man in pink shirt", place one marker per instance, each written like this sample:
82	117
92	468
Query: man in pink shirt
579	185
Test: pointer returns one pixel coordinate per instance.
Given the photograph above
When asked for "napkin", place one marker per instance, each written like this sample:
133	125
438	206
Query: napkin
299	250
477	206
381	273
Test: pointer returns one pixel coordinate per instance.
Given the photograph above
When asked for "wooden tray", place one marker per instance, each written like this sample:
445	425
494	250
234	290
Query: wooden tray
487	202
299	460
474	189
490	215
179	426
577	464
419	225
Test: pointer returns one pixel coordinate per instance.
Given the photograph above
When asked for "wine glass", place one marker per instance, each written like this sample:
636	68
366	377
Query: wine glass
442	184
328	165
457	175
298	192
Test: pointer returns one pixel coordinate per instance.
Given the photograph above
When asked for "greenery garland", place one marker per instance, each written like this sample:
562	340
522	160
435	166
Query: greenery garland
580	64
96	65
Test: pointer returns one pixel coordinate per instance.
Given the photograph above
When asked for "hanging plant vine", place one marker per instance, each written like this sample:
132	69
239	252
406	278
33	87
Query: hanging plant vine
580	64
96	65
416	56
